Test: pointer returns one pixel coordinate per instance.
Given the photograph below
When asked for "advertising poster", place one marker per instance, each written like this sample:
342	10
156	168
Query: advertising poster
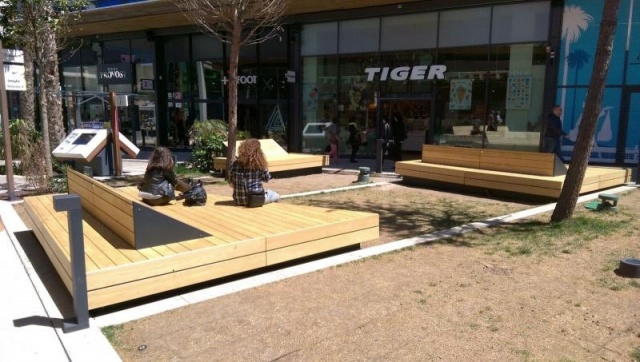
518	92
460	95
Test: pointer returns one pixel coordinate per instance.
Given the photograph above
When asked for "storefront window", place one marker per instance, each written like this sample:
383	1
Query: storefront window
358	36
496	104
356	95
320	100
422	27
464	27
320	39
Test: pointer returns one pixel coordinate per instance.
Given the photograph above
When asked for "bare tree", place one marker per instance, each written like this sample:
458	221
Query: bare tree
238	23
37	27
584	142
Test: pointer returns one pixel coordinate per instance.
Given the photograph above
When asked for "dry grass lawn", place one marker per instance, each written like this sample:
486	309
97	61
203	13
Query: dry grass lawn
526	291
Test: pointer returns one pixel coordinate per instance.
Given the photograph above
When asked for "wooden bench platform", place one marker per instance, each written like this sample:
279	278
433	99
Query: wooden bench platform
279	160
529	173
239	239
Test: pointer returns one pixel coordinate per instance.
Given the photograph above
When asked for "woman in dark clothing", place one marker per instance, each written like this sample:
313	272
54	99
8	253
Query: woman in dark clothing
354	141
160	181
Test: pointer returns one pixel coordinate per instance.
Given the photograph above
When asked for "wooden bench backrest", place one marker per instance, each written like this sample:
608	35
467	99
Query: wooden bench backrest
451	156
139	225
108	205
269	147
530	163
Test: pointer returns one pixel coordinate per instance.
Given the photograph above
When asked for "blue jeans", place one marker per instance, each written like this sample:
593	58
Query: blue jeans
270	196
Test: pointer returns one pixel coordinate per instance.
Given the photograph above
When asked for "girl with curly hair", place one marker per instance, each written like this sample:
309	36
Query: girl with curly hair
248	172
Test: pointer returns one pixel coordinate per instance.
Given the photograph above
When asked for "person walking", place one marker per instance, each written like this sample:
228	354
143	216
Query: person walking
353	141
248	172
333	134
399	134
553	132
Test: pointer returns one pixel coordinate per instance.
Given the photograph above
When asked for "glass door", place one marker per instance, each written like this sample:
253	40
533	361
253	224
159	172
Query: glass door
415	114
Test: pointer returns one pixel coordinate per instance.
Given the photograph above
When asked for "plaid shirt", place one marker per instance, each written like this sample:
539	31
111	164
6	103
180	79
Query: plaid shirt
244	180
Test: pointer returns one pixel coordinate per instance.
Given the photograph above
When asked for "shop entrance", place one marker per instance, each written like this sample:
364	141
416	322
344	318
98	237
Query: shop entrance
417	116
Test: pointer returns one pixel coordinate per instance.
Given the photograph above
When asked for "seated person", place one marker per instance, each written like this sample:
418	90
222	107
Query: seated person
160	181
248	172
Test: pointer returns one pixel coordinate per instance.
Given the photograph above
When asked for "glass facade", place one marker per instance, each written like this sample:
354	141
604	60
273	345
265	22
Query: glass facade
192	87
491	95
504	70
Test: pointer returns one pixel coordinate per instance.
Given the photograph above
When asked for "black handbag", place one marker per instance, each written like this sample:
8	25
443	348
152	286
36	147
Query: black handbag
256	198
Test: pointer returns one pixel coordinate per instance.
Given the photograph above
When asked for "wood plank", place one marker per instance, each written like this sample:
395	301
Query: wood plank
523	189
275	256
164	282
131	273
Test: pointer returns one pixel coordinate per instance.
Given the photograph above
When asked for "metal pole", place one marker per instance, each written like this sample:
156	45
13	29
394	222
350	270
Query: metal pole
115	127
6	131
71	203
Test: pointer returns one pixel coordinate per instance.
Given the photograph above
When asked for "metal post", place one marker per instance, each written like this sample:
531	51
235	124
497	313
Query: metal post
6	131
71	204
115	127
379	155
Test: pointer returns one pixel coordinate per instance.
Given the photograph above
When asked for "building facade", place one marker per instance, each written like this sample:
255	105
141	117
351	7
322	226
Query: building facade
464	72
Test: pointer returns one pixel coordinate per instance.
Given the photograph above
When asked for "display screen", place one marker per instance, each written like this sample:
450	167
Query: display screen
84	138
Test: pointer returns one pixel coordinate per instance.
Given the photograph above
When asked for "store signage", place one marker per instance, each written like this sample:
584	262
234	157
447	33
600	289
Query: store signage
13	56
290	75
243	79
418	72
114	73
146	84
14	77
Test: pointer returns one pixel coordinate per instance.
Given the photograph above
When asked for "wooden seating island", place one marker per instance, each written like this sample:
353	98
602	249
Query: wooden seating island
516	172
133	250
280	161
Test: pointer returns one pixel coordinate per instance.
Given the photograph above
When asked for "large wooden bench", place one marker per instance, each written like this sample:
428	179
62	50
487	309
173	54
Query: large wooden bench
279	160
125	214
235	239
529	163
531	173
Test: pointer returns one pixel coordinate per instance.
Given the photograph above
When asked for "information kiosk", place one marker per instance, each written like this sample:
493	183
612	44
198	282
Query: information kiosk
93	148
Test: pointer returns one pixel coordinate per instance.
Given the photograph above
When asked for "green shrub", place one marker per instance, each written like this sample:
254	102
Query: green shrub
208	142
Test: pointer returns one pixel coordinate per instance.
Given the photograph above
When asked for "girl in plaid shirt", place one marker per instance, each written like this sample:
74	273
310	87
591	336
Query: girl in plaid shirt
248	172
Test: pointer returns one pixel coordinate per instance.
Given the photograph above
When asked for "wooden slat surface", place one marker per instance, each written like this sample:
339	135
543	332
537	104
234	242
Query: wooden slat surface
596	178
278	159
241	239
109	206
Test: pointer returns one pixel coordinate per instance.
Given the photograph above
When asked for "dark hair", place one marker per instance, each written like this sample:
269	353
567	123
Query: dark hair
161	159
250	155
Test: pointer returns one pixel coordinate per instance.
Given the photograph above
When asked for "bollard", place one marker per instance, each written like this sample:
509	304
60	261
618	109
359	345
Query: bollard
364	176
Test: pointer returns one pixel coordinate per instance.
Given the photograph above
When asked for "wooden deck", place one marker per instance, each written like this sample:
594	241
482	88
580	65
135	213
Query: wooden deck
242	239
596	178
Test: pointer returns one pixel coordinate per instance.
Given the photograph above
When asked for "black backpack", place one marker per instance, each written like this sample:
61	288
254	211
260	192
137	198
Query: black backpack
196	196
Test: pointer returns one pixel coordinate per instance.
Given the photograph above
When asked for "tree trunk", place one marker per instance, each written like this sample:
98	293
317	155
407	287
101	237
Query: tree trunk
44	121
575	175
233	94
27	98
52	92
